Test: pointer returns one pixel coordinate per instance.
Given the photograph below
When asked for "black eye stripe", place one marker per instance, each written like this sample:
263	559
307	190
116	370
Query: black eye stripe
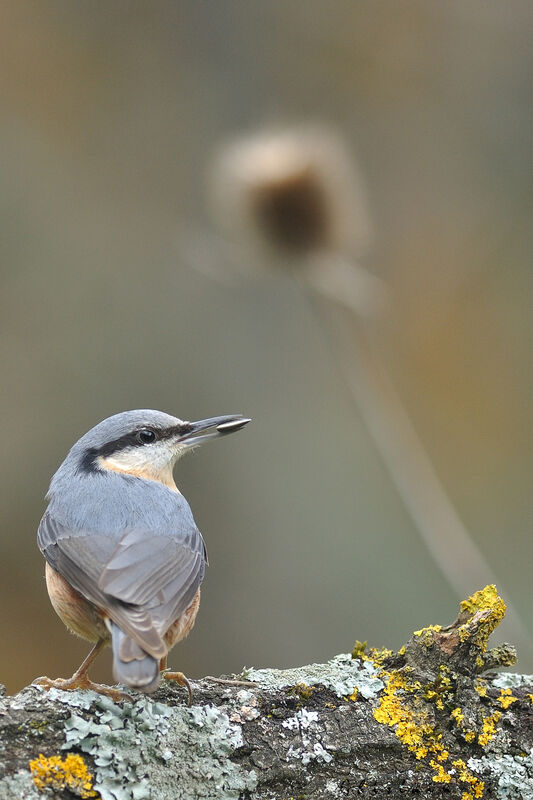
88	461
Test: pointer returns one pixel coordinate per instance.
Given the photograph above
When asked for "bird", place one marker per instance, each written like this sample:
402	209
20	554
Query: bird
124	558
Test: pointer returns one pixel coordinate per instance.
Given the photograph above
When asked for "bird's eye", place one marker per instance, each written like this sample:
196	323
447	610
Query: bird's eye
145	436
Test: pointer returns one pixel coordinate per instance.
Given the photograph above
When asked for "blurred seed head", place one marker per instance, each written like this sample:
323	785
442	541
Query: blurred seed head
294	192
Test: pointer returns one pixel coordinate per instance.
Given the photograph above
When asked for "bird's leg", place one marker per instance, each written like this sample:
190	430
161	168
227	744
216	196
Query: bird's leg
81	680
179	677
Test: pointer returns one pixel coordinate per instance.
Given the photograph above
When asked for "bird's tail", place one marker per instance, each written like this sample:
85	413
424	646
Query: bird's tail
131	665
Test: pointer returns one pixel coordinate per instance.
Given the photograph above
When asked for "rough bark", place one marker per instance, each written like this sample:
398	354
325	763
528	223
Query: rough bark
428	722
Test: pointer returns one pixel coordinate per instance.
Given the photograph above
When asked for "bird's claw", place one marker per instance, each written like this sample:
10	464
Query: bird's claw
81	682
181	680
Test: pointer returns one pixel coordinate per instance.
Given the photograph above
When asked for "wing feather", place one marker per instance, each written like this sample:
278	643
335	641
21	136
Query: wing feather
143	580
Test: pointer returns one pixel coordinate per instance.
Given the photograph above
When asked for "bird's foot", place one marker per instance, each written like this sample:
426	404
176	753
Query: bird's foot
181	680
81	682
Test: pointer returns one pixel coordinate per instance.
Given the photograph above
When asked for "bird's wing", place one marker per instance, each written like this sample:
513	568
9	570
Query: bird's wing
143	580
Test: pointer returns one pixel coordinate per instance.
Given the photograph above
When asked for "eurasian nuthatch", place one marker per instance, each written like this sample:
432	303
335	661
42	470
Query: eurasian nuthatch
125	559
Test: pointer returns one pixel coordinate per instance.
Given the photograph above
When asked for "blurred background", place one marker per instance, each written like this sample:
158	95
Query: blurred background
110	115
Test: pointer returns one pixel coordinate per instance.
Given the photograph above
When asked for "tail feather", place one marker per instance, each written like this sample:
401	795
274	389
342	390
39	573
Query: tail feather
131	665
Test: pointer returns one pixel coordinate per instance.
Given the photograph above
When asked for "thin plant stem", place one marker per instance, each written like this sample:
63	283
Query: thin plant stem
403	454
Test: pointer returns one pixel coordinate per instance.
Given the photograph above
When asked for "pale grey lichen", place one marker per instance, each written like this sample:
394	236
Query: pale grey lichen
310	752
308	747
202	738
301	720
332	788
79	699
513	775
123	743
146	749
342	674
511	680
245	707
17	786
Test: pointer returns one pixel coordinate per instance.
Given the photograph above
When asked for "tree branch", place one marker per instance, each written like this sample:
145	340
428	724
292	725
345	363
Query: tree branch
426	722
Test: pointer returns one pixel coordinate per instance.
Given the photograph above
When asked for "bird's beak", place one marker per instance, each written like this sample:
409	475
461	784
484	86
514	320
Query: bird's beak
193	433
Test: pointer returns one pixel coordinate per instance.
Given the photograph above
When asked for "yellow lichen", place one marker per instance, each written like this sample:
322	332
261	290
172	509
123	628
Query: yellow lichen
303	690
437	692
463	633
506	698
411	729
489	728
426	634
491	604
465	776
420	737
359	650
427	628
458	715
441	776
444	678
404	702
353	695
57	773
379	655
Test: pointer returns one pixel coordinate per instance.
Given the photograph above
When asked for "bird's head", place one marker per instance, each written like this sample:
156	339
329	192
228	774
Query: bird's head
147	443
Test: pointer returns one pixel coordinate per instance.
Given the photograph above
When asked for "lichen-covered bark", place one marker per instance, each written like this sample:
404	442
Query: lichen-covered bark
428	722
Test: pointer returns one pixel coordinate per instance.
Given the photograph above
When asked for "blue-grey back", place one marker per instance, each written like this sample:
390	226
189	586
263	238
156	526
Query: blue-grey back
108	502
